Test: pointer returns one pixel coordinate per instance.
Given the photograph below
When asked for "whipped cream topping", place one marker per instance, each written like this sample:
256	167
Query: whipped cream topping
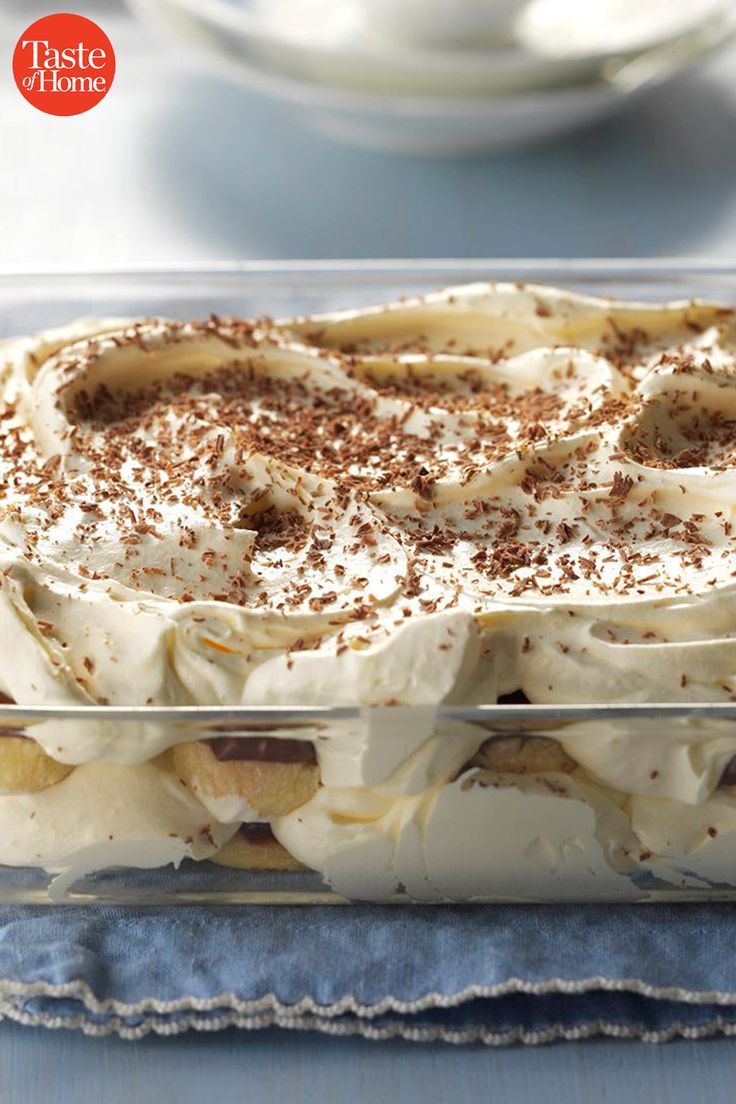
491	489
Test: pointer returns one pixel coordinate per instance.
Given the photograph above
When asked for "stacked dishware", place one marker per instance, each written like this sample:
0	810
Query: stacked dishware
449	76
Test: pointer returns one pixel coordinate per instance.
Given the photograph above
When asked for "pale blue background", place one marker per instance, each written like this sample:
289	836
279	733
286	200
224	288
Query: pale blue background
174	166
233	1068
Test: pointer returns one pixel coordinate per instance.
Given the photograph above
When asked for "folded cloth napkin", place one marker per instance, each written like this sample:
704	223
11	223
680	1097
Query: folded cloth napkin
494	973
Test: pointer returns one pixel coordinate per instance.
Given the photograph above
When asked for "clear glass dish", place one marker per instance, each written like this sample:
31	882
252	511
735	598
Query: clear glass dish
536	846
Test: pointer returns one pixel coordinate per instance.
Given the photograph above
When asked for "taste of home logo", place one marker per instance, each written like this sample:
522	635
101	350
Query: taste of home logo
64	64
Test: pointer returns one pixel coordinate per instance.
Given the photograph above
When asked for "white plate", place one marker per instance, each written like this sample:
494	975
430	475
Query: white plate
419	123
557	42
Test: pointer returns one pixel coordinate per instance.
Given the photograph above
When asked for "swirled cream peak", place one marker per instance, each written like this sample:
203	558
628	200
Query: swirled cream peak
493	488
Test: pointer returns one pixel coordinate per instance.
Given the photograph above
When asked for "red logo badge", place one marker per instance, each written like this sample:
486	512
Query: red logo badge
64	64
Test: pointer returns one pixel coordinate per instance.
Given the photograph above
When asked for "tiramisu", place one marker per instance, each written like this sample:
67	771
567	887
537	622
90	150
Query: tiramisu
497	492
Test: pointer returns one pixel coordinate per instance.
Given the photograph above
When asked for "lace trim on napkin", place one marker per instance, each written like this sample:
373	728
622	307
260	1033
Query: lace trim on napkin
193	1013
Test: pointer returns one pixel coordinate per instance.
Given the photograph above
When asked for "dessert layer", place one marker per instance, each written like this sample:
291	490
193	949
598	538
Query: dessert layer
496	491
498	488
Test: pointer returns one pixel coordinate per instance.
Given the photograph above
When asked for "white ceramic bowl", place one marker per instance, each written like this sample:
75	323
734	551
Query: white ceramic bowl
472	108
543	43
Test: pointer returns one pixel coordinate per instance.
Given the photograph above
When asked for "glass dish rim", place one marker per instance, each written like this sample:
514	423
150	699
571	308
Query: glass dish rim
303	715
530	269
620	267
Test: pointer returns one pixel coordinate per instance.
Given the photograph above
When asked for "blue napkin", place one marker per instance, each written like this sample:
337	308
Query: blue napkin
493	973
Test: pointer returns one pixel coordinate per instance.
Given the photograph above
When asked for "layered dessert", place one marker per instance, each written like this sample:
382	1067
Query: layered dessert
495	494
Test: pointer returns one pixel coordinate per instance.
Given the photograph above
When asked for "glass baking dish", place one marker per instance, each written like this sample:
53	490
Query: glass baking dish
544	838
